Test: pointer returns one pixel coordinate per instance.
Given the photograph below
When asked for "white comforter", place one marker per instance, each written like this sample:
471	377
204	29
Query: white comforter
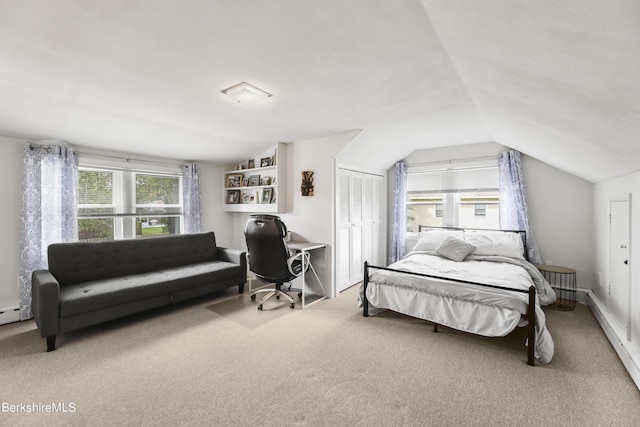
476	309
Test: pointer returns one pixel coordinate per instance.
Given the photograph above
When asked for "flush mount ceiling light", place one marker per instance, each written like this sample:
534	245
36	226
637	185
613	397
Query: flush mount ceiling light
246	93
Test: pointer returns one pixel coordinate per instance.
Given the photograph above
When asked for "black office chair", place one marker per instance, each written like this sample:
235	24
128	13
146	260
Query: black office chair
269	257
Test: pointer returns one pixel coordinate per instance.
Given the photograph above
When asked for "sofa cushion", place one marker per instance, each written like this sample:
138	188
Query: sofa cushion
79	262
97	294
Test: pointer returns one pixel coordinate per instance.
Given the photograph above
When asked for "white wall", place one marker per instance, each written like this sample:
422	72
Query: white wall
309	218
561	217
214	218
11	177
604	191
560	207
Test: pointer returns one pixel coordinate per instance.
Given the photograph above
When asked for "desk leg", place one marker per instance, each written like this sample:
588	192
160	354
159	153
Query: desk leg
304	273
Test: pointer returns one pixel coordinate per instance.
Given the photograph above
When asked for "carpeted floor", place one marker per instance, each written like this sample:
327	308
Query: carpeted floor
218	361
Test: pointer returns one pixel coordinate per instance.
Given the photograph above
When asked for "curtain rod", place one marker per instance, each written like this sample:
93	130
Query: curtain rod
84	150
450	161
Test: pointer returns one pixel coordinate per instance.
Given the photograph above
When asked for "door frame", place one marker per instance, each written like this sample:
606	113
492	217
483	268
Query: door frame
626	198
334	221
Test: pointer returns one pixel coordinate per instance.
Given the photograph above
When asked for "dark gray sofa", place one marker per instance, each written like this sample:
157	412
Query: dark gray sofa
92	282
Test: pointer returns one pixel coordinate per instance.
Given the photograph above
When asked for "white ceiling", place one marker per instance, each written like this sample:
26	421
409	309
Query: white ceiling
557	80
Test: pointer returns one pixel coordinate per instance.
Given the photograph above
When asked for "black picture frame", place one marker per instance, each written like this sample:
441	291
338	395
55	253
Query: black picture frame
233	197
251	164
267	194
265	161
254	180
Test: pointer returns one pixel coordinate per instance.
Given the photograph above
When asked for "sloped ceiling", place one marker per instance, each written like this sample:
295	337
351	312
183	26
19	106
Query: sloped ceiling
555	80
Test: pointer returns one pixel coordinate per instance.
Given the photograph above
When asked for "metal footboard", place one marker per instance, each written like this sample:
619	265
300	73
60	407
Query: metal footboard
531	308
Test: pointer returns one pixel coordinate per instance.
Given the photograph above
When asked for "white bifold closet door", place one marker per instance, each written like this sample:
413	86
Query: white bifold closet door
360	232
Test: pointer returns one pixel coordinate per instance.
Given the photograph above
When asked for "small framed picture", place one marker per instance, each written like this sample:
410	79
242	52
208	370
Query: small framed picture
234	180
265	161
246	198
251	163
254	180
233	197
245	182
265	180
267	193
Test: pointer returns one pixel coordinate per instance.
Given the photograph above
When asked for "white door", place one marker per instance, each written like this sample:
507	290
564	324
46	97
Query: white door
360	228
619	289
372	220
343	225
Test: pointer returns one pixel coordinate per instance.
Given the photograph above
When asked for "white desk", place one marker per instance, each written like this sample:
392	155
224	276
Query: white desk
313	290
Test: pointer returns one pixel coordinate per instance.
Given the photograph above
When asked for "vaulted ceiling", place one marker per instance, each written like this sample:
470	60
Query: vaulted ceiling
557	80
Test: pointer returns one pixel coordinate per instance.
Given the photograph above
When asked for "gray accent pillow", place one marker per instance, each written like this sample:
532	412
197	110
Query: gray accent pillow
454	249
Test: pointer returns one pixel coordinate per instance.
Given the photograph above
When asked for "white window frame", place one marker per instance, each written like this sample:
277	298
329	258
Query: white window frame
450	195
126	207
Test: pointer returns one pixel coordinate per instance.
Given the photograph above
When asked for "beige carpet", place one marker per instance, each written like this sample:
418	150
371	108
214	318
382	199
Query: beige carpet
220	362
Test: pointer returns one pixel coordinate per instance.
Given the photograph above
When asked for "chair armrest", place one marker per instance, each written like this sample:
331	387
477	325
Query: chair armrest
235	256
45	294
295	268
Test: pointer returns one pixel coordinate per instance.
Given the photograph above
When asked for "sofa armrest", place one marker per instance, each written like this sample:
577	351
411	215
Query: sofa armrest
235	256
45	294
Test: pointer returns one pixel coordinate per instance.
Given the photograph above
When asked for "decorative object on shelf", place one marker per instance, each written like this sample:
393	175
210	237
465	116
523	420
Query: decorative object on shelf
245	182
272	161
267	193
251	164
241	166
265	162
233	197
234	180
254	180
265	180
307	183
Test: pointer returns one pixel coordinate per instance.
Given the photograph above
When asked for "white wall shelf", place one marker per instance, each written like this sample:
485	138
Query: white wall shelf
241	196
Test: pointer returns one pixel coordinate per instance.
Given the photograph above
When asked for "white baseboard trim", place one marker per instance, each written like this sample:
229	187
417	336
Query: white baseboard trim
629	356
9	315
582	295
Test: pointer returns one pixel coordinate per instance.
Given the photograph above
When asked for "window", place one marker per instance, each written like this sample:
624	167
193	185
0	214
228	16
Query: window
120	204
461	194
480	210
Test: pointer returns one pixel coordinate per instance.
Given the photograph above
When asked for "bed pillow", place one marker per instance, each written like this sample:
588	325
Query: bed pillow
454	249
496	243
431	239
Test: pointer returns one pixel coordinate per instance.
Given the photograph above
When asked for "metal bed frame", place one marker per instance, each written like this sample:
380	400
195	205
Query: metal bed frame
531	307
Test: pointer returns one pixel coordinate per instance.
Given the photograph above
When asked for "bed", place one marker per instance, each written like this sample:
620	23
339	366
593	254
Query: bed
477	281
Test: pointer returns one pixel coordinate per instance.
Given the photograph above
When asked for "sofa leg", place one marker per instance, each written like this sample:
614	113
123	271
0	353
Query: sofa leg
241	288
51	343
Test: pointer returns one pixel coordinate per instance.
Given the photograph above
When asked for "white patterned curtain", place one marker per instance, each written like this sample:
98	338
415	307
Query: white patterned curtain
399	220
514	213
192	199
49	209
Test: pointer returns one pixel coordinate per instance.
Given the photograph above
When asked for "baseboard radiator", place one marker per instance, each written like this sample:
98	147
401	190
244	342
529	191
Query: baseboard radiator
9	315
628	354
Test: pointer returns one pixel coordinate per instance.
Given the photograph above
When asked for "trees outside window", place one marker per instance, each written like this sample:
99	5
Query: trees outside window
117	204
